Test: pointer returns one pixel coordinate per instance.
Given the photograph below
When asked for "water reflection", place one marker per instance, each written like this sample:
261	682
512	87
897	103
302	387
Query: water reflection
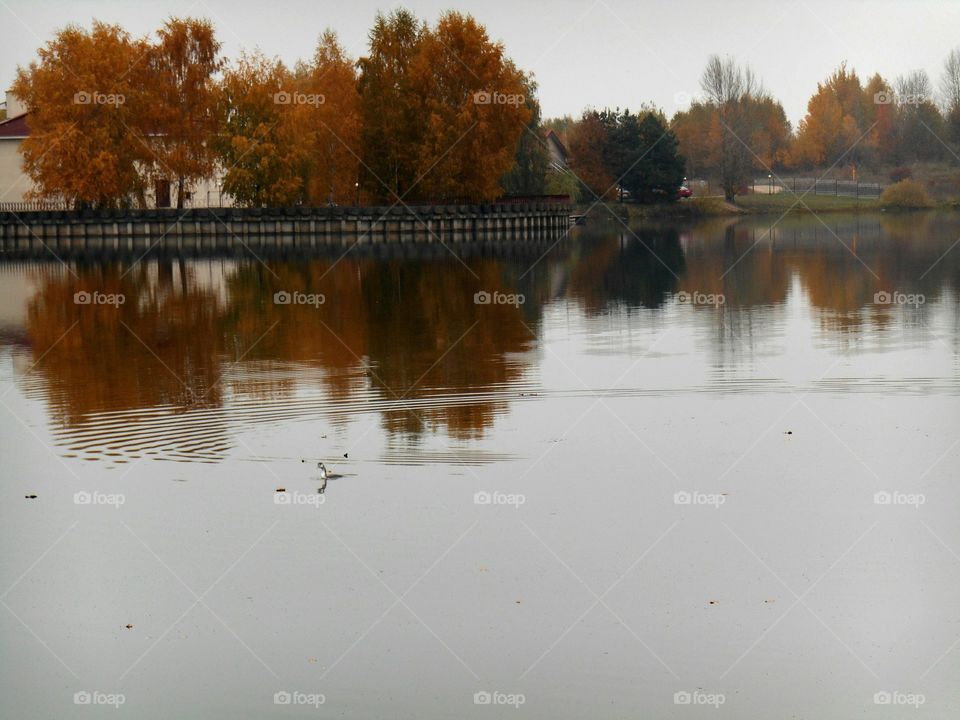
199	350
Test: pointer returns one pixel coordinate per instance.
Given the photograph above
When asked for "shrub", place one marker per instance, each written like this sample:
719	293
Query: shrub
558	183
900	173
905	194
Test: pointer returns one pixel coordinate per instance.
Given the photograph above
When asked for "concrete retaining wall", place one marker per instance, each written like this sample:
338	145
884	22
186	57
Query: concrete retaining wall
234	229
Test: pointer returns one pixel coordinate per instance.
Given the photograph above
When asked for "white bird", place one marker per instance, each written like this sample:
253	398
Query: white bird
321	477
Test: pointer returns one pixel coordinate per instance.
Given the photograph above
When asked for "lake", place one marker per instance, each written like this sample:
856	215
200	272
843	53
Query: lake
706	468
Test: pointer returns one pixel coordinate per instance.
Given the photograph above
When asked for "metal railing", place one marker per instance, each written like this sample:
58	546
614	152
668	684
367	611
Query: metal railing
814	186
32	206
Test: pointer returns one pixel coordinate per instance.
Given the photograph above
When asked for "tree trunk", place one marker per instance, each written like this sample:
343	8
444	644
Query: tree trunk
180	193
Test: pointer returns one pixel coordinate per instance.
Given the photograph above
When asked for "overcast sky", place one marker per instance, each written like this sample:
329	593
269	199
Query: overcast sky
583	52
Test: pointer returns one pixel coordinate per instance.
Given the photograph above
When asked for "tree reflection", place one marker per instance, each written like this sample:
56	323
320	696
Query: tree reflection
405	338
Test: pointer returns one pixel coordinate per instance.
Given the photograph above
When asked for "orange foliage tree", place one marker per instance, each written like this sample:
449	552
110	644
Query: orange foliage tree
328	124
588	139
443	109
838	116
86	103
262	162
392	125
474	111
181	112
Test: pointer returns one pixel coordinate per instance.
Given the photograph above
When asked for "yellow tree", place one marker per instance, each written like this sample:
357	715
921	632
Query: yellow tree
86	98
182	66
836	120
474	110
698	131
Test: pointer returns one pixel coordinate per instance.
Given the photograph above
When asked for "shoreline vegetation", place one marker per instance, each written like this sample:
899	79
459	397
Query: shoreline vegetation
754	204
390	127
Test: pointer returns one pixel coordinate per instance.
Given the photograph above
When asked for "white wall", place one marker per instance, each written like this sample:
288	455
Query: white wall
14	183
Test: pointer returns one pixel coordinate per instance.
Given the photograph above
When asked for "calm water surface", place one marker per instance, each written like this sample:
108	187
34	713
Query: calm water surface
656	474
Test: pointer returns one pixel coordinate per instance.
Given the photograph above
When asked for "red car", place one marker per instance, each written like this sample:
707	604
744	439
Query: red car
684	192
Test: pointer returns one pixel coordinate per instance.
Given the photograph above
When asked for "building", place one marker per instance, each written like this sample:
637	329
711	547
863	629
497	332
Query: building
558	152
15	183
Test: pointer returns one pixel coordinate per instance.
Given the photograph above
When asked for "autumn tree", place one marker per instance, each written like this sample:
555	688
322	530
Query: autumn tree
443	109
392	129
328	124
588	140
473	111
292	138
85	97
263	160
881	140
731	93
181	113
837	120
697	130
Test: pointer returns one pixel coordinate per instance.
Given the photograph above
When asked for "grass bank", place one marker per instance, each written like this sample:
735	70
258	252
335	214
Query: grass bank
692	208
798	202
753	204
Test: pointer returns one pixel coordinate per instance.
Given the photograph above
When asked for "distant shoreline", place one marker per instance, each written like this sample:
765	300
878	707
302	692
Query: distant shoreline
754	204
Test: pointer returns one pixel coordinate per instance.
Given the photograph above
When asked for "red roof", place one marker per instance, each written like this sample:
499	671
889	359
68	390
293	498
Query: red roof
15	127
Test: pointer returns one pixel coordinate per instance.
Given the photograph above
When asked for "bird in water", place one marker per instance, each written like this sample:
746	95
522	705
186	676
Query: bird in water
321	477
